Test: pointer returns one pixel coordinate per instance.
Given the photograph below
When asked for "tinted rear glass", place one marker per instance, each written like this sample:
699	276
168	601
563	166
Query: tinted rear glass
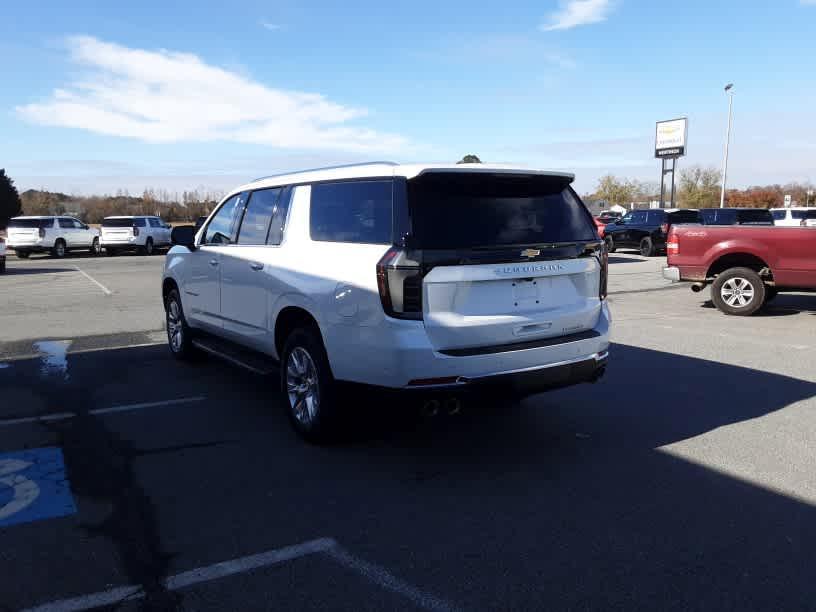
456	211
683	216
31	223
127	222
810	214
354	211
755	217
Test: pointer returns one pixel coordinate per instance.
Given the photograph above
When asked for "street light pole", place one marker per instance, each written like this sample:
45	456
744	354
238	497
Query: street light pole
730	93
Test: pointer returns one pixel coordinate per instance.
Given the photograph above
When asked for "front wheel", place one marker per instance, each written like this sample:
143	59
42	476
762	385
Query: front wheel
59	249
179	337
738	291
308	387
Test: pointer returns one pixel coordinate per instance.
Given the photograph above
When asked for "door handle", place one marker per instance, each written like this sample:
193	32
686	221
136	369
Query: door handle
213	262
256	266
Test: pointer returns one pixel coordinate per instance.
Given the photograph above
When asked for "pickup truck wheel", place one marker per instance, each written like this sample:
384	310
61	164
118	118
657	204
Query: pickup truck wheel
179	336
610	244
738	291
59	249
308	387
647	247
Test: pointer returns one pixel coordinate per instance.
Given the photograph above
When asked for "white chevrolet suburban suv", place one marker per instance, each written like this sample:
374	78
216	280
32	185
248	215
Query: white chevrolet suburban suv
142	233
431	279
51	234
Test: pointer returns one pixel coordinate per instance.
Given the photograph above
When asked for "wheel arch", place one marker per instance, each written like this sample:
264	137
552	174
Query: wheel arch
739	260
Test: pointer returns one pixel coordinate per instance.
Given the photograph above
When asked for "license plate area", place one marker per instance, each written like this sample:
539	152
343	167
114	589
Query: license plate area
531	292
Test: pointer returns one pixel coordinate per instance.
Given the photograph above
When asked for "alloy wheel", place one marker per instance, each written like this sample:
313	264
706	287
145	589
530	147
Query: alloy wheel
302	385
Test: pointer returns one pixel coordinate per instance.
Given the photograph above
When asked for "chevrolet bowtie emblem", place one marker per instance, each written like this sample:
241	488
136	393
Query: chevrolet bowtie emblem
530	253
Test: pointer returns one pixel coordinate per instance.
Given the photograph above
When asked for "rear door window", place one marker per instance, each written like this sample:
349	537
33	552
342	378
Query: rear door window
778	215
451	210
66	223
657	217
154	222
258	215
139	222
639	217
353	211
799	214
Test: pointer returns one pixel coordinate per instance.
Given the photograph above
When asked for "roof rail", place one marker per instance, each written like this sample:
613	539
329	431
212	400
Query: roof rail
373	163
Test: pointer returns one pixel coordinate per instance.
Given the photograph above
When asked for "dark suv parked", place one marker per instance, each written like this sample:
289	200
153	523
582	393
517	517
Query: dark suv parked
646	230
736	216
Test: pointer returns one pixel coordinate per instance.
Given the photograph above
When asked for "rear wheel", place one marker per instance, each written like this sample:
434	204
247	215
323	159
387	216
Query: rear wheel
610	244
95	248
111	252
738	291
23	254
2	265
148	248
59	249
647	247
308	387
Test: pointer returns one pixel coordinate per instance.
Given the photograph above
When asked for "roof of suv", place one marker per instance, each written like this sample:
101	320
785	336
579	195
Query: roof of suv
132	217
381	169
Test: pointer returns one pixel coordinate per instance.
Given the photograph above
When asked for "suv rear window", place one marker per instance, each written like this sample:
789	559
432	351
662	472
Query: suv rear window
354	211
29	223
684	216
470	210
126	222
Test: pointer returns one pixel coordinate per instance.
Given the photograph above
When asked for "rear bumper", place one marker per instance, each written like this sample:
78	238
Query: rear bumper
30	248
671	273
398	355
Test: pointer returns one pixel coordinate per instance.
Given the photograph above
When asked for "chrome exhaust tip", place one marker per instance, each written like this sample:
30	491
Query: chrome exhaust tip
697	287
430	408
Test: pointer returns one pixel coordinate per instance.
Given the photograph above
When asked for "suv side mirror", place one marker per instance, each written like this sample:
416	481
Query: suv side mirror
183	235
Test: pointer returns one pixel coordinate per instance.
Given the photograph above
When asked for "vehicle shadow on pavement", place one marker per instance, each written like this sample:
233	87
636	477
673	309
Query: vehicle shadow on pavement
625	260
784	305
563	502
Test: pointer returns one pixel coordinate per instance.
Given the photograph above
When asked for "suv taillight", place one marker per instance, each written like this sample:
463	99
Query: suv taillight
42	232
135	231
664	228
399	280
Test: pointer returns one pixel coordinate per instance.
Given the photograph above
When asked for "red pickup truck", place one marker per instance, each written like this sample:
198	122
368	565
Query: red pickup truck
746	265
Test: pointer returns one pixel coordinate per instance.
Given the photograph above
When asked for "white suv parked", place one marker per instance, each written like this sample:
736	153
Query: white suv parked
433	279
794	216
134	233
51	234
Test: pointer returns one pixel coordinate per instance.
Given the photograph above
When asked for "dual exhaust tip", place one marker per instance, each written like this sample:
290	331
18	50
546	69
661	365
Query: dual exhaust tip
433	407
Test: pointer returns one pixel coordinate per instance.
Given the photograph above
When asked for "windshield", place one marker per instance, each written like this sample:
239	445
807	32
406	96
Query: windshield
455	211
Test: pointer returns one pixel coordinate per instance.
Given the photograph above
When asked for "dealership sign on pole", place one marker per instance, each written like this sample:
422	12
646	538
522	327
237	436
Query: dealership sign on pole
670	143
670	138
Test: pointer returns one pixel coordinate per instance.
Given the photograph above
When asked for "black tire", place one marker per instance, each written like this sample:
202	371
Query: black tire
610	244
770	294
60	249
23	254
2	265
738	291
148	248
95	250
111	252
647	248
179	334
317	421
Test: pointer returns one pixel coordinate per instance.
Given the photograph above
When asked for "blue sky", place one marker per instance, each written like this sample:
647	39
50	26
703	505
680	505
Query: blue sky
179	95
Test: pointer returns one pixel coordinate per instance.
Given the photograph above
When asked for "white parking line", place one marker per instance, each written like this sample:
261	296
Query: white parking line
185	579
59	416
104	289
376	574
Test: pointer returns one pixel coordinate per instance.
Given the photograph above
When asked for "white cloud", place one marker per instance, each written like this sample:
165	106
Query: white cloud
167	96
273	27
575	13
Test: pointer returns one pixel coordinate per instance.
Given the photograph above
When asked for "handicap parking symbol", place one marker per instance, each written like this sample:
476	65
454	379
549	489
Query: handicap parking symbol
34	486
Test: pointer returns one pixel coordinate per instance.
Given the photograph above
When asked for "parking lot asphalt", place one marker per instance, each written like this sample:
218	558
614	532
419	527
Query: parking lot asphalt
684	480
